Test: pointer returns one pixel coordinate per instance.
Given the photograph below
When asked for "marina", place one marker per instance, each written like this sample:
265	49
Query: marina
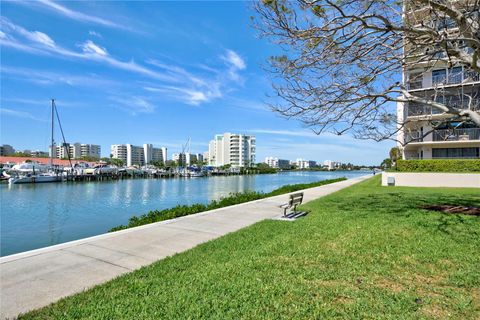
39	215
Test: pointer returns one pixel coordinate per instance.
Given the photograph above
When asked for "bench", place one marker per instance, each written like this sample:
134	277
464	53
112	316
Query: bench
294	200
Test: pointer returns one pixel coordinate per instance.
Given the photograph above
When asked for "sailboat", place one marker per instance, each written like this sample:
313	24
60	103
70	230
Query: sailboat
39	176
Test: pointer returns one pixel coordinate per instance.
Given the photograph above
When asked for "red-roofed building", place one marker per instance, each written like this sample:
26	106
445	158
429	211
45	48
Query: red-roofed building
60	162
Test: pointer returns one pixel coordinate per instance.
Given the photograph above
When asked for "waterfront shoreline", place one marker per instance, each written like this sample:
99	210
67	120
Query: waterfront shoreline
84	263
36	216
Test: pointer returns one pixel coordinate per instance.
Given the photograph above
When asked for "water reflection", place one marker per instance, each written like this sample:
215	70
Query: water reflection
34	216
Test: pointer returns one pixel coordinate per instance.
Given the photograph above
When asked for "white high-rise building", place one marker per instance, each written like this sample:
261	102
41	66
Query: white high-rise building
180	158
164	154
119	151
76	150
429	133
90	150
136	155
190	158
237	150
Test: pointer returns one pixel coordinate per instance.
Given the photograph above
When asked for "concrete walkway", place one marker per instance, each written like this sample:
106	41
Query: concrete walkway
37	278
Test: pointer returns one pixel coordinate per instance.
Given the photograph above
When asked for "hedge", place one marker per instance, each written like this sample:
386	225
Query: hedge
231	199
439	165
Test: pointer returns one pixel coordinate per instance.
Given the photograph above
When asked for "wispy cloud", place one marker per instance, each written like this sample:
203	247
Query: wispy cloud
234	59
19	114
40	43
298	133
95	34
40	102
191	87
134	104
79	16
202	86
47	77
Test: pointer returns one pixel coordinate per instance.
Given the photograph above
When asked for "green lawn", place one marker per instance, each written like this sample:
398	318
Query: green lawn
365	252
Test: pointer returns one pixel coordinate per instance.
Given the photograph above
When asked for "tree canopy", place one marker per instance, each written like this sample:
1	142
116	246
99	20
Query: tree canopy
345	63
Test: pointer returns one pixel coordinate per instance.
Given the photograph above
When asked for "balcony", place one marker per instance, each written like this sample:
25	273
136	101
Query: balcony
456	134
415	109
413	137
441	77
413	85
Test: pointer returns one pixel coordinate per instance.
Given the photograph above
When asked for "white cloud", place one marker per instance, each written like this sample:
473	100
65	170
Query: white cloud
79	16
134	104
41	38
95	34
40	44
2	35
302	133
234	59
90	47
19	114
194	88
48	78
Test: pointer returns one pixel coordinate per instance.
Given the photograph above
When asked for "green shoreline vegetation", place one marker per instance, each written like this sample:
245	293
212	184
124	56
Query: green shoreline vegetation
366	251
231	199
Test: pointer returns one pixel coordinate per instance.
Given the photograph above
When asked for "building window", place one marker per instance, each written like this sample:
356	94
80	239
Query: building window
455	75
455	153
439	76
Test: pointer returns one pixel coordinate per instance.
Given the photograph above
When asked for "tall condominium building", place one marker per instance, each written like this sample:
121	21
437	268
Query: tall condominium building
237	150
191	158
90	150
6	150
138	155
154	154
77	151
428	132
180	158
206	157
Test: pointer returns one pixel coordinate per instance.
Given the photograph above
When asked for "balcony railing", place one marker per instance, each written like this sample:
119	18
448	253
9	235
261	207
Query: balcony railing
412	85
456	134
415	109
453	77
413	137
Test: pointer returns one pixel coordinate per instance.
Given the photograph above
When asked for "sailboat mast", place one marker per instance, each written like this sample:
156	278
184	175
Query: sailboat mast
52	141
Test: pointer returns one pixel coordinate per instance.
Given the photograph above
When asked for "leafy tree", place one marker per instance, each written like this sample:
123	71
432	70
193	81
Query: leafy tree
342	61
158	164
386	163
395	154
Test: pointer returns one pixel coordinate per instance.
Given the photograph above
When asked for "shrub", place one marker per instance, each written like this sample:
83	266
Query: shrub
439	165
231	199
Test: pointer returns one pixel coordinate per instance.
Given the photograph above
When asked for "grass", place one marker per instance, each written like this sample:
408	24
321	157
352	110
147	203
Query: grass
231	199
364	252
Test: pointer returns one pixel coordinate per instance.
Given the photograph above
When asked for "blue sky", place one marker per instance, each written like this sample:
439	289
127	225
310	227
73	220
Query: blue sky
148	72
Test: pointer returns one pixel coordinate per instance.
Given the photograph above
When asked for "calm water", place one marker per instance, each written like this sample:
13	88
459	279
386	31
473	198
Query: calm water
35	216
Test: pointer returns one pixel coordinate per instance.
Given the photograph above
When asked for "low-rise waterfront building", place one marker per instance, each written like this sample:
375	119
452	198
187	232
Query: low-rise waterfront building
277	163
305	164
331	165
38	154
